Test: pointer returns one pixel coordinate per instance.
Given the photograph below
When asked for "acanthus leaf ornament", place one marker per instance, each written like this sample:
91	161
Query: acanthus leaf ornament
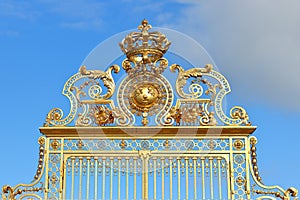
106	77
183	76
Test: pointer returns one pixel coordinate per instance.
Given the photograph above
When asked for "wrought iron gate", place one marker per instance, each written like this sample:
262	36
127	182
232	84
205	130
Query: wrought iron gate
139	169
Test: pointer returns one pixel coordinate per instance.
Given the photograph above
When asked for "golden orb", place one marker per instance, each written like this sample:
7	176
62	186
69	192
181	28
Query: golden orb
145	95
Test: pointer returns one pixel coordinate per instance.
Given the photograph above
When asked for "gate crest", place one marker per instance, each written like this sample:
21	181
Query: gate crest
146	92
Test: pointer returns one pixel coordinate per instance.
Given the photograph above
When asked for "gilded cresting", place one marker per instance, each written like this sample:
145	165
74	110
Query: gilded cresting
151	142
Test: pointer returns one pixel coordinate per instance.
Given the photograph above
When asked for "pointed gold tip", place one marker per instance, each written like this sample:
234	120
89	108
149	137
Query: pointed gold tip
145	22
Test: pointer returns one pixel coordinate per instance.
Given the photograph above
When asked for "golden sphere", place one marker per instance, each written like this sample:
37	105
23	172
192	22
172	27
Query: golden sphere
145	95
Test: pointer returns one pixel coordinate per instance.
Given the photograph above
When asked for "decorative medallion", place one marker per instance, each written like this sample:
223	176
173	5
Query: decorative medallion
238	144
145	95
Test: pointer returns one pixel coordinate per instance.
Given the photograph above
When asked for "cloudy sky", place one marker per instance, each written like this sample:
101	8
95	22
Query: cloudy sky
255	44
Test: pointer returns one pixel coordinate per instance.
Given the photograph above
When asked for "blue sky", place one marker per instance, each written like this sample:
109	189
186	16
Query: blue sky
255	44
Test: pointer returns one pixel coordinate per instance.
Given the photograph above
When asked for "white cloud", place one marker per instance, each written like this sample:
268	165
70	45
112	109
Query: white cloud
255	43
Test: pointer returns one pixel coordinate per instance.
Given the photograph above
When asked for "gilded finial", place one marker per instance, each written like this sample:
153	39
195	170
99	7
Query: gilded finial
145	22
145	26
144	46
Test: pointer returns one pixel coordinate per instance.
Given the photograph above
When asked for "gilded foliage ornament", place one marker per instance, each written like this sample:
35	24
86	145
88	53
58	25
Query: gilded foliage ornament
145	95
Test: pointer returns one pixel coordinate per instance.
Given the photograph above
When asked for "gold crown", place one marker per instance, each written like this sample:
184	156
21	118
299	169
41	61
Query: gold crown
144	46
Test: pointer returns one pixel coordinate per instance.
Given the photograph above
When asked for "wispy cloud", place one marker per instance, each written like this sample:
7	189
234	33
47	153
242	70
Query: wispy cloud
255	42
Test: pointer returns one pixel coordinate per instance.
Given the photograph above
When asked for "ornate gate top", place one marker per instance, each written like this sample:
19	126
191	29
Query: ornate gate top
145	96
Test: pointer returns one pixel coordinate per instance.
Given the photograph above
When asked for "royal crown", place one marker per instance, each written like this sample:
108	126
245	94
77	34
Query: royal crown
144	46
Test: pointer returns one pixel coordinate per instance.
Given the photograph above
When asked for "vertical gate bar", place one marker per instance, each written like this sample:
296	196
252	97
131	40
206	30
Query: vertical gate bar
46	170
143	178
88	178
80	178
134	177
103	177
62	175
162	178
127	176
154	178
203	179
195	178
220	183
211	178
231	177
247	183
65	179
146	161
178	178
72	186
119	178
186	178
111	177
171	178
96	178
227	167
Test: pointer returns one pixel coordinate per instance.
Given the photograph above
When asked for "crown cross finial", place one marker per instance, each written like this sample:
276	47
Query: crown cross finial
144	27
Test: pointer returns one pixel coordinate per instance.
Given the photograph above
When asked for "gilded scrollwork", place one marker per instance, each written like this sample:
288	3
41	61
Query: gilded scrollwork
145	66
212	89
106	77
258	188
75	93
102	114
84	119
174	115
190	113
286	195
11	193
239	113
121	118
215	91
183	76
55	116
